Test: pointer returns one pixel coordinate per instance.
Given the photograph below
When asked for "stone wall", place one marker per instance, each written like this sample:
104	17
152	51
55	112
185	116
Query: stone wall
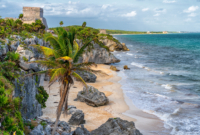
102	31
30	14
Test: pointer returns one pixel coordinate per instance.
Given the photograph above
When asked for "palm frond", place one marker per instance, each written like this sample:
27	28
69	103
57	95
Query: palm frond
56	73
66	58
36	73
85	64
81	51
45	50
47	63
75	49
78	77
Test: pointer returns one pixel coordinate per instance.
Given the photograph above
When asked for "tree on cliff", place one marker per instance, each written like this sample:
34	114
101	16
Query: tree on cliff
61	62
21	16
84	24
61	23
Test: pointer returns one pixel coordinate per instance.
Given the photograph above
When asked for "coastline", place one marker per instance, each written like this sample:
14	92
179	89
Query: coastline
119	105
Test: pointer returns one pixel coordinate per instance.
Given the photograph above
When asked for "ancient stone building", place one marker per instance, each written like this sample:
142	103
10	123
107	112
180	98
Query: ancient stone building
31	14
102	31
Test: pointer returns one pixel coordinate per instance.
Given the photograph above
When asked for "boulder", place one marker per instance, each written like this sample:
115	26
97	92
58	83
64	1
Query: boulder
47	130
126	67
81	131
37	130
64	126
125	48
116	126
92	97
87	77
77	118
114	68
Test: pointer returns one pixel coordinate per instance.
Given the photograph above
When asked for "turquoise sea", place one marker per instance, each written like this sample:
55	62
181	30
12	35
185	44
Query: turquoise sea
164	78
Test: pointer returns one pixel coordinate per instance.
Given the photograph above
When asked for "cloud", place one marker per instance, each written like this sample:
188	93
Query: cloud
169	1
157	14
106	6
131	14
192	15
191	9
145	9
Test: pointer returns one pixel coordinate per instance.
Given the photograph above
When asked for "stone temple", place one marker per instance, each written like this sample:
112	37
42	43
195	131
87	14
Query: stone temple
31	14
102	31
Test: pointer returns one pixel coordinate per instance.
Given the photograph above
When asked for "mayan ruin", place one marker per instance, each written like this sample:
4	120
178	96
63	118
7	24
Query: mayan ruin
30	14
102	31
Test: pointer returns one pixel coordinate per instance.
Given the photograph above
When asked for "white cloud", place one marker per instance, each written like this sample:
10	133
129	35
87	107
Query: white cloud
3	6
145	9
106	6
131	14
157	14
169	1
191	9
192	15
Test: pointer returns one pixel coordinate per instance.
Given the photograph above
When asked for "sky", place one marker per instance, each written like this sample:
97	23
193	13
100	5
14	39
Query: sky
133	15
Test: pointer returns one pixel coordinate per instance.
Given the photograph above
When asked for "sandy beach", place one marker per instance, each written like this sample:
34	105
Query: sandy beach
119	105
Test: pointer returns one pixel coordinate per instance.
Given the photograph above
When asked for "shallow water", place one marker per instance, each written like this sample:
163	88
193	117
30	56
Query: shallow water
164	78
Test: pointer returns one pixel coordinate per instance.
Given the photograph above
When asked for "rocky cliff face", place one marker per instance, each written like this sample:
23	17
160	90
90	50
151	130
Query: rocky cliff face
99	56
113	46
27	88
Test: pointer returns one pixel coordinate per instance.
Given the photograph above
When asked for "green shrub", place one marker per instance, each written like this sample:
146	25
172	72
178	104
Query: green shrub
25	59
10	116
42	96
12	56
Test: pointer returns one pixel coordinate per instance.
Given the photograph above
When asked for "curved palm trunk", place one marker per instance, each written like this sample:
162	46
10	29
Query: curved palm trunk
63	100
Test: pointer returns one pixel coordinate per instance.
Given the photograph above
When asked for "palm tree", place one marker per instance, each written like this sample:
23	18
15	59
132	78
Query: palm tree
20	16
61	23
61	61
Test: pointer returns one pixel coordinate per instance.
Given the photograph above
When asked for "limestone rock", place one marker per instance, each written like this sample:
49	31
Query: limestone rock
125	48
47	130
64	126
26	87
81	131
77	118
117	126
87	77
114	68
113	46
97	55
92	97
126	67
37	130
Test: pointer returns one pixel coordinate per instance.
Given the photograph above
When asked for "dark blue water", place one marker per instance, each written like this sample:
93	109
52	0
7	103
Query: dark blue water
164	78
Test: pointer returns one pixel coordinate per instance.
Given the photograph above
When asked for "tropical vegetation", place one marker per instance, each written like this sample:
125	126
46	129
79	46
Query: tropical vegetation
10	116
10	27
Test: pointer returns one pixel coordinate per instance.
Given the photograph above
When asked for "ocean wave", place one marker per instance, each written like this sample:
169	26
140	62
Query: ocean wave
167	86
137	65
129	54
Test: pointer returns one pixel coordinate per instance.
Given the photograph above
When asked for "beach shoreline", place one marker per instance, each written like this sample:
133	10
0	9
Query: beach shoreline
119	105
